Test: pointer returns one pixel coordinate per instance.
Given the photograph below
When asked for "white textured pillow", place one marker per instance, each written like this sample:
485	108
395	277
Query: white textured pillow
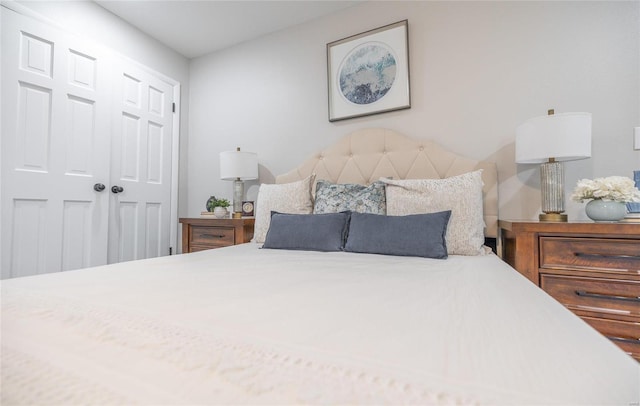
292	198
461	194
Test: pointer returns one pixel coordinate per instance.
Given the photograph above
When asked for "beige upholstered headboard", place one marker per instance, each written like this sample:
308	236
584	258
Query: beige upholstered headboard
367	155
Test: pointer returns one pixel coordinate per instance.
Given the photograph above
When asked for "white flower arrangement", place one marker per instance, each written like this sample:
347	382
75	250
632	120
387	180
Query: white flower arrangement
613	188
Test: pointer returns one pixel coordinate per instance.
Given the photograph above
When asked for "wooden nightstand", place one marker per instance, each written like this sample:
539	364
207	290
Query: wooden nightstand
591	268
200	234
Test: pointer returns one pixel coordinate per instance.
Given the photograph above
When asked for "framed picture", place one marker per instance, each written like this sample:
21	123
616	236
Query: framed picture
368	73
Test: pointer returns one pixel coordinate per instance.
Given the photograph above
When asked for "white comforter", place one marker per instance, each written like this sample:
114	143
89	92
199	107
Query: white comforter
247	325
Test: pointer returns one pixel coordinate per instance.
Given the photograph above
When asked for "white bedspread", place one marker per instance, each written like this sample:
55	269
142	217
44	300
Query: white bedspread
247	325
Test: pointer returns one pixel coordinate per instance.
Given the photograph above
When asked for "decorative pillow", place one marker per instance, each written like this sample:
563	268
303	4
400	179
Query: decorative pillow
417	235
461	194
294	197
337	197
310	232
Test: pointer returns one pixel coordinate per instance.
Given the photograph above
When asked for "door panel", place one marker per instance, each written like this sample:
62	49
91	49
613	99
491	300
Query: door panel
77	226
155	156
33	133
80	136
142	165
130	148
127	227
28	236
82	70
154	231
36	55
56	104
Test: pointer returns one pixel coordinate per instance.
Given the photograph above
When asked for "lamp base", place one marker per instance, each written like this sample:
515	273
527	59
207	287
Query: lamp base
631	217
553	217
238	192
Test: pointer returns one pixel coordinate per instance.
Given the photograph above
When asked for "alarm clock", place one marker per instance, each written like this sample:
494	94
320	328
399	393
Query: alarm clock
247	209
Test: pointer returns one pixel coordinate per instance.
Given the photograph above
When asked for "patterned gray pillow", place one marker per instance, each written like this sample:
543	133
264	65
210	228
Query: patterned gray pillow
338	197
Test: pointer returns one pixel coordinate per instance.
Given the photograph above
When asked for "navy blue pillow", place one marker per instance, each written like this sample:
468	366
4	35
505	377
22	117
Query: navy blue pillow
310	232
417	235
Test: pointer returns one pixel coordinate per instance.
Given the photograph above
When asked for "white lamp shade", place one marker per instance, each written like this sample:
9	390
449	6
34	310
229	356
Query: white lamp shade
238	164
564	137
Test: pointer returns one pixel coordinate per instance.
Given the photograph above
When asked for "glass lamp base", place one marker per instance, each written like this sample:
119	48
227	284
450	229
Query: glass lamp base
238	192
631	218
552	189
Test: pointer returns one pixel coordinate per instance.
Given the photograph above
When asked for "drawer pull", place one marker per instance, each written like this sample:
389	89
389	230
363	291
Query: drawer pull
623	257
599	296
213	235
625	340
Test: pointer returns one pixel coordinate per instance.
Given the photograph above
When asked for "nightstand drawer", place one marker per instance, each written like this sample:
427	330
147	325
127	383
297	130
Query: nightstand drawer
212	236
590	254
606	296
624	334
200	234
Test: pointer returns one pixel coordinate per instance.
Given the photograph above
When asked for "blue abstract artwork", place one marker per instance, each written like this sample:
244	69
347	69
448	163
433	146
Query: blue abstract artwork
367	73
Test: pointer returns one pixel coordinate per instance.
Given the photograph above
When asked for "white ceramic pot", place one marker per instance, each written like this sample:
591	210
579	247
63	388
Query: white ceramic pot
602	210
220	212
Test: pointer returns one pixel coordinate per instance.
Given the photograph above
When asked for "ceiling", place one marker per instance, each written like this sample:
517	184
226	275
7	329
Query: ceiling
195	28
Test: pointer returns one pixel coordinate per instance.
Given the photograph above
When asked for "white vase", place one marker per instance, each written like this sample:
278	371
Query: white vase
220	212
603	210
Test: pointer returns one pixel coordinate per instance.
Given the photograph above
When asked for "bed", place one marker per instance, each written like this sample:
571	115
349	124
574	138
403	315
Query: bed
253	325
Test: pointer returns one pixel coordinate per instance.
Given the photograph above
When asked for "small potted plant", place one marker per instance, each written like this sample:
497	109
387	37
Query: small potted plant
218	207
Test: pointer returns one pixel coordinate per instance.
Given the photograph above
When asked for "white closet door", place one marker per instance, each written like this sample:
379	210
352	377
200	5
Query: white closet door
141	165
55	148
76	115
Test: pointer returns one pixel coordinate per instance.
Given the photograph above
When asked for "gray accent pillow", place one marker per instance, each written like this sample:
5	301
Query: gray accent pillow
417	235
309	232
462	194
337	197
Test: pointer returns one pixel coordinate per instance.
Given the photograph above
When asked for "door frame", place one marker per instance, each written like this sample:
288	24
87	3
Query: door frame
176	85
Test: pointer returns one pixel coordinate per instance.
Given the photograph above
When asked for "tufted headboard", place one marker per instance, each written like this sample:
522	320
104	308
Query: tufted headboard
367	155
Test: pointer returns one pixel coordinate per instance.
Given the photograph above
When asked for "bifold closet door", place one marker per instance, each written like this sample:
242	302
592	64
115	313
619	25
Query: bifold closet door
141	165
55	149
86	153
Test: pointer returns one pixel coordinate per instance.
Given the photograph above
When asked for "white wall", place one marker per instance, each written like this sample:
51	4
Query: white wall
89	20
478	70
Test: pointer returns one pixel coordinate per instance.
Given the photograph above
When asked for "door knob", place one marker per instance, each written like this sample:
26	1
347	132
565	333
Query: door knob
117	189
99	187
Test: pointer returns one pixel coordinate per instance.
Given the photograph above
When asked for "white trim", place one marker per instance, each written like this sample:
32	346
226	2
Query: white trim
26	11
175	166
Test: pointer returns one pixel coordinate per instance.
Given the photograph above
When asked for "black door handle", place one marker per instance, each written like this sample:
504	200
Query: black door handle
117	189
99	187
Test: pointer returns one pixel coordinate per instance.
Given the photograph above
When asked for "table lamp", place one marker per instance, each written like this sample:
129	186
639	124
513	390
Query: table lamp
238	166
550	140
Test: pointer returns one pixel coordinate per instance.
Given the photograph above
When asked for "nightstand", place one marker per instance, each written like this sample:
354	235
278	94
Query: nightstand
200	234
591	268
